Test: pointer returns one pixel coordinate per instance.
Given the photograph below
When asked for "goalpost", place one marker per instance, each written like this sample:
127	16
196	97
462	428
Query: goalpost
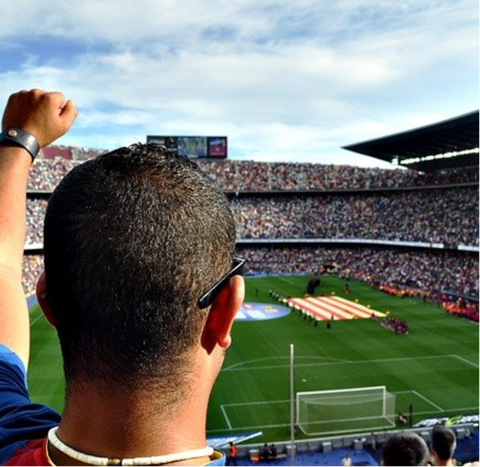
345	410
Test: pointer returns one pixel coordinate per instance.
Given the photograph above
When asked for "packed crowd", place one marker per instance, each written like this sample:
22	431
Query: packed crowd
431	271
46	174
32	268
36	209
260	176
447	216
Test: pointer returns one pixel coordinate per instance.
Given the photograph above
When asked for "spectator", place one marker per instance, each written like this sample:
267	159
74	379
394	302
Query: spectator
232	454
347	460
444	443
264	452
273	451
405	448
129	286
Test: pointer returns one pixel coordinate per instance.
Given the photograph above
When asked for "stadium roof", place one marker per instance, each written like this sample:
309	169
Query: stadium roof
448	144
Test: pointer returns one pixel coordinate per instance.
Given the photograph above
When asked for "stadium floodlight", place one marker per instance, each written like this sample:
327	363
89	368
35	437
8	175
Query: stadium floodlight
345	410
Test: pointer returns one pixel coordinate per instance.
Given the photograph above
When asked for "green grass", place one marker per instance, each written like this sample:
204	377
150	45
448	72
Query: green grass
434	367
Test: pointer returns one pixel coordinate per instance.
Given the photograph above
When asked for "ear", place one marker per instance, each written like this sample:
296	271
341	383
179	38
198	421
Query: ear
222	314
42	299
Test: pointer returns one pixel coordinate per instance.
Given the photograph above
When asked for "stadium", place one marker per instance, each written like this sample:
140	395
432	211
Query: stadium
362	295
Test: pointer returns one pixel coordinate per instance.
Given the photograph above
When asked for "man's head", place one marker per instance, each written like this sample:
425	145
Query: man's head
443	444
405	449
133	239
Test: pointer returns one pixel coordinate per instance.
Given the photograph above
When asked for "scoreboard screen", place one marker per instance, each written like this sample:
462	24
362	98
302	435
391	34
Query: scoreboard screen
211	147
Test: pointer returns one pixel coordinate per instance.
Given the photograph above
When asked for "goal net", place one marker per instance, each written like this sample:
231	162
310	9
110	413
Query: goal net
345	410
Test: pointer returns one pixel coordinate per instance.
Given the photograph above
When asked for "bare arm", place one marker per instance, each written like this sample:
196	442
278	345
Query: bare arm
47	117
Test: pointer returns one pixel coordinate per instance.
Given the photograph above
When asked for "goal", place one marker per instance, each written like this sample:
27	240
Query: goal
345	410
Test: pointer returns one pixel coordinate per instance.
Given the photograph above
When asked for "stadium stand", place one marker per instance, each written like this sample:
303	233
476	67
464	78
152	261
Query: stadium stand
418	269
446	217
249	176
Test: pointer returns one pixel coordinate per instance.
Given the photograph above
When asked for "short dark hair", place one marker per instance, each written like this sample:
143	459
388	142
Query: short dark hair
133	238
444	442
405	449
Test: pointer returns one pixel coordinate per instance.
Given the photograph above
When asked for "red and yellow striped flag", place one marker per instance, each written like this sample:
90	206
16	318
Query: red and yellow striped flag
326	308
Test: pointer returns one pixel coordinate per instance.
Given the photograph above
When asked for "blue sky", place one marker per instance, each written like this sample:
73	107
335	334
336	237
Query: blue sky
285	81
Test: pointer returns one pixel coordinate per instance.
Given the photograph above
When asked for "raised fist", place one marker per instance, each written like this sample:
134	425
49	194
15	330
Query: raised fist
44	115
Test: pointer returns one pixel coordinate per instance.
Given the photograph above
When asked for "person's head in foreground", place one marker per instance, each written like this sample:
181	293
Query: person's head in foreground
133	240
405	449
444	443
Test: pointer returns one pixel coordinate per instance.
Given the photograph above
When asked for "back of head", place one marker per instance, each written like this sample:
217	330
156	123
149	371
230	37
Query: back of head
405	449
443	443
133	238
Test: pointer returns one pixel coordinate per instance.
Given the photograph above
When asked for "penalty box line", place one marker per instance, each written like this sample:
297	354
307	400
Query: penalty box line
282	425
437	407
462	359
421	396
224	407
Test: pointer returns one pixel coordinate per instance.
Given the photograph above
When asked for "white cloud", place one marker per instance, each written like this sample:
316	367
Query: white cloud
284	80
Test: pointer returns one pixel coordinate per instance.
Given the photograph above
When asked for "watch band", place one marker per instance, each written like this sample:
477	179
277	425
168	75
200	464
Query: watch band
18	137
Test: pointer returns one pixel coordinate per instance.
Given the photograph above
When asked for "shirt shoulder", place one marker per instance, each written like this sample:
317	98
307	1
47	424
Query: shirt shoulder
33	453
21	420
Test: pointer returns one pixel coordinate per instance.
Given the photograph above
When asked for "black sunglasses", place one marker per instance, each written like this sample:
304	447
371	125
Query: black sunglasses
209	297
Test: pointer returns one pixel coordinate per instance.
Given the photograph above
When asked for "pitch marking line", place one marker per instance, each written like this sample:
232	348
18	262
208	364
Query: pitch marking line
226	417
426	399
412	391
282	425
240	404
236	367
265	359
35	320
465	360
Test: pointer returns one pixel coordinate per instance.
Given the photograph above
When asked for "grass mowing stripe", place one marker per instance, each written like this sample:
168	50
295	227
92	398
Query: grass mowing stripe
437	359
421	361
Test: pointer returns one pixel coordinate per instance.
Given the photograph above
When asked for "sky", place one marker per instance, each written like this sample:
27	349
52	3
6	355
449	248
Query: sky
284	80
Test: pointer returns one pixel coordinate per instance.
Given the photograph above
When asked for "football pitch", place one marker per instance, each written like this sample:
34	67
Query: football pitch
434	367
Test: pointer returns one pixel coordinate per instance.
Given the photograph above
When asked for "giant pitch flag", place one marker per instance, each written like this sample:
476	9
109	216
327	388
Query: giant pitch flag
337	308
